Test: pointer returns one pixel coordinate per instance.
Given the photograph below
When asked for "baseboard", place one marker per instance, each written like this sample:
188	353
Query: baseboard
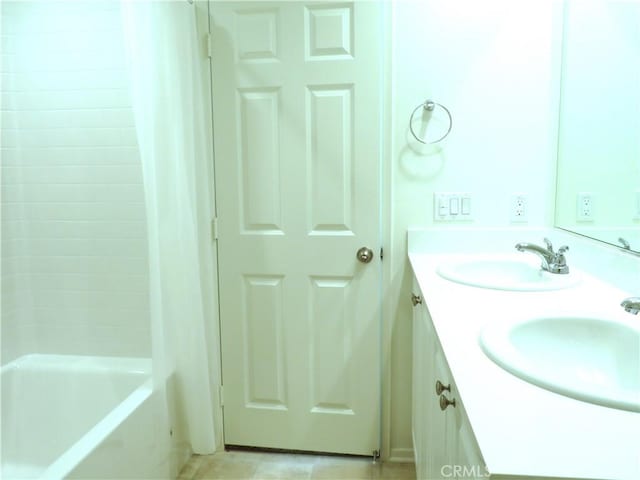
401	455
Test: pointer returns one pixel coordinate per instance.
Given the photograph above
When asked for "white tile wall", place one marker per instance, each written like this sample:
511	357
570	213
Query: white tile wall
74	258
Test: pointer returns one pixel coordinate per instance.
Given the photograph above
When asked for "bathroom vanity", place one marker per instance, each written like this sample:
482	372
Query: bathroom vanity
476	418
443	441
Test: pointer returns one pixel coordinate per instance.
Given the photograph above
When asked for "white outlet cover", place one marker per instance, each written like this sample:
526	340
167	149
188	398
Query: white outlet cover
519	208
585	204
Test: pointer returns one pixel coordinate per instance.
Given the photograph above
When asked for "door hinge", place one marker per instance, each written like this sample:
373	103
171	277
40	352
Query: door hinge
221	395
214	229
209	45
381	253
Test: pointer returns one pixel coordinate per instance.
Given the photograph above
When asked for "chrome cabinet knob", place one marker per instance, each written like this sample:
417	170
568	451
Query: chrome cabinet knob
440	387
445	402
364	254
415	299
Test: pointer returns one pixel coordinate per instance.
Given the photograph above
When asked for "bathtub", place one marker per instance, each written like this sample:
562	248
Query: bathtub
80	417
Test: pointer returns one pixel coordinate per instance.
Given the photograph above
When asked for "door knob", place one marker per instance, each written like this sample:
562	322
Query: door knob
364	254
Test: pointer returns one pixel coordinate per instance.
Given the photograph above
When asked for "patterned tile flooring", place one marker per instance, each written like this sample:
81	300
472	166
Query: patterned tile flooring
257	465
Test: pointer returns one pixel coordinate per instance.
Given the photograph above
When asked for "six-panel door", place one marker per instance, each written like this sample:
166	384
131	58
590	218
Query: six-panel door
296	93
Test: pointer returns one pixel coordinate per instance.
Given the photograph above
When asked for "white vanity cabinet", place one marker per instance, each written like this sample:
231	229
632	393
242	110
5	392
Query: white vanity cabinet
444	444
504	426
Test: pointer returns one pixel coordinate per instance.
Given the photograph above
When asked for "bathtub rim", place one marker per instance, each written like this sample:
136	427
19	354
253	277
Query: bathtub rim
64	464
91	440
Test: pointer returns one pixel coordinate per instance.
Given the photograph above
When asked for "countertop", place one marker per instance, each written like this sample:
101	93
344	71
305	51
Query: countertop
522	429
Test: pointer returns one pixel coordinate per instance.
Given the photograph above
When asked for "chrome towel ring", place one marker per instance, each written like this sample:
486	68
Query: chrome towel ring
430	105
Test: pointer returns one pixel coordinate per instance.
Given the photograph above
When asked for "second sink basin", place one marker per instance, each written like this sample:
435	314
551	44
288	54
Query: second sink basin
504	272
591	359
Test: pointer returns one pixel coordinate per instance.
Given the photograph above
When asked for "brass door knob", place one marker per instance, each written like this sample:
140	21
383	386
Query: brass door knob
445	402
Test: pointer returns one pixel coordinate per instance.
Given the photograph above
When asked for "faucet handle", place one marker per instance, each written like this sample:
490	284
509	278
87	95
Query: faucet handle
631	305
559	262
549	245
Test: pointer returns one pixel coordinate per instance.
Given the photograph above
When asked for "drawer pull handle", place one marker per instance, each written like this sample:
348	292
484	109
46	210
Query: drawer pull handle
440	387
445	402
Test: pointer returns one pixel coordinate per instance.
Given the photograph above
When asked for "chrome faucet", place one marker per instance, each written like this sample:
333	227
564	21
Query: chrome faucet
553	262
631	305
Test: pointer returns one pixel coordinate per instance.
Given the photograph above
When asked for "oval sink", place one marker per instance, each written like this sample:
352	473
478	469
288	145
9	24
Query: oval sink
591	359
505	272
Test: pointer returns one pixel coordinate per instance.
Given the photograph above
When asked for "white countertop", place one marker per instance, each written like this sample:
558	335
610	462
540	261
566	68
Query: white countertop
523	429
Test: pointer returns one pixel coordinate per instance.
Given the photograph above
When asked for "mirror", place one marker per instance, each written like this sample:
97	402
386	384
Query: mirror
598	177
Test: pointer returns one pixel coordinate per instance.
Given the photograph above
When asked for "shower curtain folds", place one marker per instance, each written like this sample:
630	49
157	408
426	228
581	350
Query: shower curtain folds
170	101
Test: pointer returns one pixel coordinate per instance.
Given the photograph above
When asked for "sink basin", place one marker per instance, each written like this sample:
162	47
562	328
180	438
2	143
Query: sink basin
505	272
591	359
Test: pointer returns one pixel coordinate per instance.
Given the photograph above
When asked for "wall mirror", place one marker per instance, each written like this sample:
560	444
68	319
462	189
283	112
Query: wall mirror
598	177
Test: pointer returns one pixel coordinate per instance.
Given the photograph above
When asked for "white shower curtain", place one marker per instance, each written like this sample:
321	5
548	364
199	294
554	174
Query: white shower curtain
169	100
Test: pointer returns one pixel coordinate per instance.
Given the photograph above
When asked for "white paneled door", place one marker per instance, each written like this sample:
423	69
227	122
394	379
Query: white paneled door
296	93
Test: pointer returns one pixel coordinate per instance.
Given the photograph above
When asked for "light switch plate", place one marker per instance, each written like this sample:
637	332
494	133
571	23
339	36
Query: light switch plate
452	207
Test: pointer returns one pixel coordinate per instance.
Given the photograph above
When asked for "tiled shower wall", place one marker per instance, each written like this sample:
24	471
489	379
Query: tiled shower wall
74	255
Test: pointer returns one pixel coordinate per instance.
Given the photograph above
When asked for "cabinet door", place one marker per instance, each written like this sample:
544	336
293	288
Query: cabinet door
422	402
443	435
461	458
444	444
417	385
432	439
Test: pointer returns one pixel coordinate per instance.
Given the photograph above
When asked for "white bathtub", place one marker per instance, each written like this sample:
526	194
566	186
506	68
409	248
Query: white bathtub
80	417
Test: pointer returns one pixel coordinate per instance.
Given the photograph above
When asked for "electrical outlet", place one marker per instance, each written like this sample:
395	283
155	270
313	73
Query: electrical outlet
519	208
585	205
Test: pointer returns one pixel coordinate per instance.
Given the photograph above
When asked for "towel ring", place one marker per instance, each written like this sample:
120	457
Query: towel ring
430	105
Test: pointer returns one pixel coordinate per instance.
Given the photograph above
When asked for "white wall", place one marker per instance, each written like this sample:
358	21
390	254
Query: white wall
74	264
490	63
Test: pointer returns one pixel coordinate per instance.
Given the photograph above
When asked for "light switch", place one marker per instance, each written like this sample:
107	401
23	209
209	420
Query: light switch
454	205
465	206
442	206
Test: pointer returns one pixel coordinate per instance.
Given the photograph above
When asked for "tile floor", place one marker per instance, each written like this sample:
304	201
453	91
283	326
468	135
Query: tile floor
254	465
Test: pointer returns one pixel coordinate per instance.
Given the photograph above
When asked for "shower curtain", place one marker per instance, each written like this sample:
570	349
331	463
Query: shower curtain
170	102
